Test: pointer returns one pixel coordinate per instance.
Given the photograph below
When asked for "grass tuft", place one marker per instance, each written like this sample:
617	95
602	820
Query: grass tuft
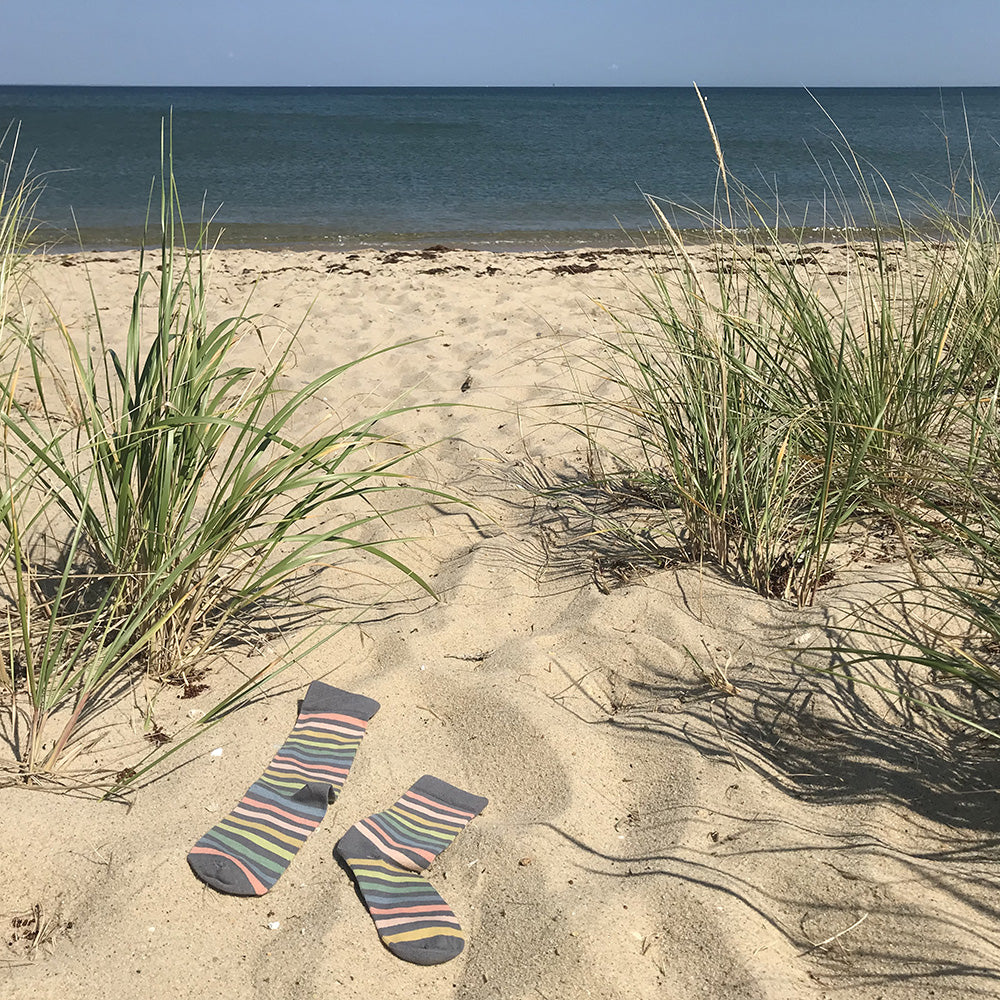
779	399
778	395
185	493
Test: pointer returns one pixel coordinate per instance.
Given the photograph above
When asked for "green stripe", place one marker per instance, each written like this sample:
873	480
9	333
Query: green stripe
239	850
403	892
401	879
322	740
453	829
274	846
421	831
323	734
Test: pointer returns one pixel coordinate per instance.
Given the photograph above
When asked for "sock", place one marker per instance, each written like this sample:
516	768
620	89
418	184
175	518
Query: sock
385	854
247	852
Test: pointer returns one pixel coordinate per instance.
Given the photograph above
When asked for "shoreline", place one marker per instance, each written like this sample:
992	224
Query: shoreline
241	236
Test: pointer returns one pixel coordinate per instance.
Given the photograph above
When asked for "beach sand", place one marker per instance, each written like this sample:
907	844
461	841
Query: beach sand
648	835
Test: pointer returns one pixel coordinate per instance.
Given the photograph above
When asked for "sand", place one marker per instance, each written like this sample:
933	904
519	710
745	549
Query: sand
648	835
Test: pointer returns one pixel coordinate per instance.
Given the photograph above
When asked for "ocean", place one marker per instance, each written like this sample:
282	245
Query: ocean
503	168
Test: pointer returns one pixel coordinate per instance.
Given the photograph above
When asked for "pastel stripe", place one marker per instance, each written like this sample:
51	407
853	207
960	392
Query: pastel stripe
408	909
439	815
267	807
250	848
441	917
423	831
425	824
466	817
426	932
386	854
387	845
306	828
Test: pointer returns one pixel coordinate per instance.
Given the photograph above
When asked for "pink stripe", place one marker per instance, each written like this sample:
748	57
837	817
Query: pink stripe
258	887
411	909
401	859
321	728
437	805
380	924
306	826
442	817
334	717
247	801
276	771
386	836
291	764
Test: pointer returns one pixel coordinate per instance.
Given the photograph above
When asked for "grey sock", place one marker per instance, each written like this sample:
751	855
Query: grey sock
386	853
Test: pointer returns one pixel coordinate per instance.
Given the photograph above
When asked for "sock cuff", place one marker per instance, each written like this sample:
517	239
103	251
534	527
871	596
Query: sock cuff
449	795
322	697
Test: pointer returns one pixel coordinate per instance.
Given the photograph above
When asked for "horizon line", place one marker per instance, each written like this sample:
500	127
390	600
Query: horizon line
512	86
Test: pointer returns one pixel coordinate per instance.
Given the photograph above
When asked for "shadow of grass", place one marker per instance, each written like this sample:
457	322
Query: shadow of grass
901	947
830	738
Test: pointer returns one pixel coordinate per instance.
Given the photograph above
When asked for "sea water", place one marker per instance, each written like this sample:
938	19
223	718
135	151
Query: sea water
491	167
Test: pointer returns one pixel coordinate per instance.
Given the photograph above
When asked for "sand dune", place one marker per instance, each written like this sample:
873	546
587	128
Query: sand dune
780	836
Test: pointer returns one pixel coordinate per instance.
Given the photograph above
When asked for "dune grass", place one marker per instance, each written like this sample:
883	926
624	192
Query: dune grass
768	402
155	500
777	401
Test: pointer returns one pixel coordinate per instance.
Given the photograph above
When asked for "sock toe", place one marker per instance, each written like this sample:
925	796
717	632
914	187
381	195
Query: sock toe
221	873
431	951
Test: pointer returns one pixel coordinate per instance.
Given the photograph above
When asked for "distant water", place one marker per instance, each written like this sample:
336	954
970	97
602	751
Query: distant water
503	168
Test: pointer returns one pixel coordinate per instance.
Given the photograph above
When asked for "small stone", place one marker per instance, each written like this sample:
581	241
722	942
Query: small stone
524	861
273	925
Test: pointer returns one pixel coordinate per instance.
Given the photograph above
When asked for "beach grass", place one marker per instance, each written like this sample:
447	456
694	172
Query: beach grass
770	402
155	499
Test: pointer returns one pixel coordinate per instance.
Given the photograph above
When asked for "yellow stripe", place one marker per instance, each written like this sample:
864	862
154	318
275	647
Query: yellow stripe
388	867
322	737
421	934
398	875
282	779
239	825
421	824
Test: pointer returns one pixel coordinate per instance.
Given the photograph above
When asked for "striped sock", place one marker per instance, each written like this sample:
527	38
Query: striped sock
247	852
386	853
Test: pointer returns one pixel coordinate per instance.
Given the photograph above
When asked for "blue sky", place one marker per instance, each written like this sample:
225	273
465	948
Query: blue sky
503	42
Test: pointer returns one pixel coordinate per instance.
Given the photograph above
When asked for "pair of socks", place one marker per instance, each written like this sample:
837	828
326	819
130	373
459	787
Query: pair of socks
247	852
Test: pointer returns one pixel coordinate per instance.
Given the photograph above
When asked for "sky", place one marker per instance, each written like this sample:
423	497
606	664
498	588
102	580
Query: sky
501	42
